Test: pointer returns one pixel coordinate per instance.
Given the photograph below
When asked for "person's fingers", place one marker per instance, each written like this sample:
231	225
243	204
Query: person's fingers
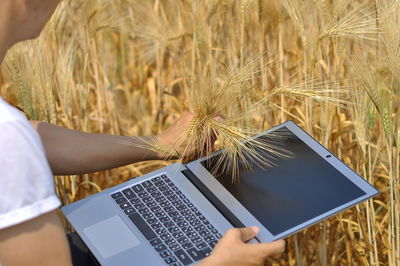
242	234
272	248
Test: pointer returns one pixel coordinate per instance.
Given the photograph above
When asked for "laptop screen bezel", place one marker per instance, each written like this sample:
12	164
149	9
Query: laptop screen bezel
248	219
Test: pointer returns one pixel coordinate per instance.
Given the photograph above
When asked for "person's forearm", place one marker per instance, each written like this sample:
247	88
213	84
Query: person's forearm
74	152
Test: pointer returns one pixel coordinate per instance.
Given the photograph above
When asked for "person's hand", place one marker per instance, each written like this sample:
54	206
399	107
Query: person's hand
233	251
171	138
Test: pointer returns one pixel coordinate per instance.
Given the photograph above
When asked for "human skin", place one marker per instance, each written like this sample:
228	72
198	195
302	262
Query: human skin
41	240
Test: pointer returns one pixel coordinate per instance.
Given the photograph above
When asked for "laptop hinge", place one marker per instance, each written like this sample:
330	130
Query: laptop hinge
213	199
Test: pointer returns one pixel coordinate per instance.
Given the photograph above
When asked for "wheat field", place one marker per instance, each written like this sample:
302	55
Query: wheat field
132	67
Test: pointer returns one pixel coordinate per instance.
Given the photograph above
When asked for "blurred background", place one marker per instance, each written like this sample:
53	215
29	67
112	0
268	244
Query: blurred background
132	67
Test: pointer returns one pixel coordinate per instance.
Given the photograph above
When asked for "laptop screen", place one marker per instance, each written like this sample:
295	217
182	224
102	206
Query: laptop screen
291	192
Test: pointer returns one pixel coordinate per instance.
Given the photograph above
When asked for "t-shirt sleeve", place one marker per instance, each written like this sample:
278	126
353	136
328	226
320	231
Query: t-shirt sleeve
26	182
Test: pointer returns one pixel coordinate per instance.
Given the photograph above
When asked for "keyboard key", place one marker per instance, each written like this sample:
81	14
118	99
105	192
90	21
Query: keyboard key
186	229
142	226
182	223
177	234
116	195
183	257
197	213
177	219
165	253
143	210
156	242
176	264
218	236
164	177
151	204
164	203
152	189
147	199
187	245
174	247
160	231
164	219
192	234
206	222
159	183
129	211
196	239
195	254
182	197
165	236
209	238
135	200
121	200
155	179
148	215
173	229
128	193
209	226
138	188
159	214
168	193
201	245
142	195
176	202
160	247
139	206
181	207
170	260
213	243
151	220
199	227
168	224
206	251
156	225
155	209
204	233
182	240
195	222
169	209
214	231
147	184
172	197
186	212
169	241
125	205
163	187
156	194
173	213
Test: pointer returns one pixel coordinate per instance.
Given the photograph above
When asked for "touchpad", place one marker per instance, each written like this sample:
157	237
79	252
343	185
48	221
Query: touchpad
111	236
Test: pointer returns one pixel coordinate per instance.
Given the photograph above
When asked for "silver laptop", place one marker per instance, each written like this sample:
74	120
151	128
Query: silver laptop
177	214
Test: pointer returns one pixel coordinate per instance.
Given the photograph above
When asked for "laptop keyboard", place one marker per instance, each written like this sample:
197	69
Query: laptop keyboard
171	223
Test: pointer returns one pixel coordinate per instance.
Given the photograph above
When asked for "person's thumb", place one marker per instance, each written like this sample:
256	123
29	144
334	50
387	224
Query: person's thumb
248	233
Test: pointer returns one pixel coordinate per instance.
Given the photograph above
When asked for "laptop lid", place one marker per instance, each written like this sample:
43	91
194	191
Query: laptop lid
295	193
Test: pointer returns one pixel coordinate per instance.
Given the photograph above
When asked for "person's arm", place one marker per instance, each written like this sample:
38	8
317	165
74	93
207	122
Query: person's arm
75	152
232	249
40	241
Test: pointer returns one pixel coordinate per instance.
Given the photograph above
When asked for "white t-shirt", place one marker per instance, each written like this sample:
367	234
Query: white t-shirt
26	182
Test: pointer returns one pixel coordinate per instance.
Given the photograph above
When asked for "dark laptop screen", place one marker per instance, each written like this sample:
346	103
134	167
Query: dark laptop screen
295	190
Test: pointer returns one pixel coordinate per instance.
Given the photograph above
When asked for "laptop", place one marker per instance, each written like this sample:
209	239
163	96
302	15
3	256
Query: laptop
177	214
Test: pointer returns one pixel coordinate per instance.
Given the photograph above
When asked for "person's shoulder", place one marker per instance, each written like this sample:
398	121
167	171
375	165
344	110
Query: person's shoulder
9	113
16	132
